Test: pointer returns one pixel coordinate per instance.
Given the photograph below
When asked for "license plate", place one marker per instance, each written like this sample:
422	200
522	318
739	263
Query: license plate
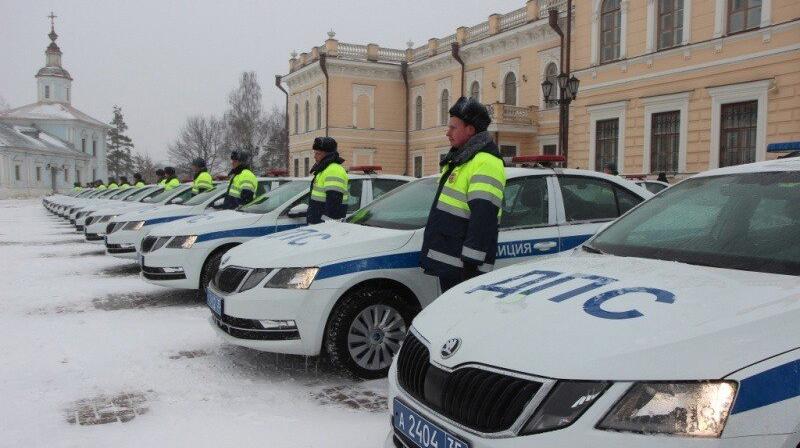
420	431
214	302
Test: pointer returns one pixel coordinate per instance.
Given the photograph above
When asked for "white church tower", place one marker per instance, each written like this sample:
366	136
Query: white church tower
53	82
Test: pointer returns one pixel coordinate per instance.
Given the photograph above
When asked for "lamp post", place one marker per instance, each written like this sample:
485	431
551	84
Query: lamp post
567	85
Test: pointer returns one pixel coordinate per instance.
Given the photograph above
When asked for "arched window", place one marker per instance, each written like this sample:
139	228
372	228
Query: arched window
296	118
418	113
610	26
475	91
444	108
551	74
510	89
319	112
307	116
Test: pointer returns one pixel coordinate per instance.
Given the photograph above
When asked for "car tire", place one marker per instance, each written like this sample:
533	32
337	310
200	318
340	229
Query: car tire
367	354
210	268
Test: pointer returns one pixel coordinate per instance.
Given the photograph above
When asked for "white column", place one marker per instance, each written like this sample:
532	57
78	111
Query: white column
720	9
623	38
651	26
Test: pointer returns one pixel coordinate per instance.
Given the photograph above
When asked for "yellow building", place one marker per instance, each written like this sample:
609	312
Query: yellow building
678	86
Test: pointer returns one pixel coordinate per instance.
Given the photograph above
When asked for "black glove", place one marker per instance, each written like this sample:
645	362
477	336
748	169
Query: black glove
469	271
246	197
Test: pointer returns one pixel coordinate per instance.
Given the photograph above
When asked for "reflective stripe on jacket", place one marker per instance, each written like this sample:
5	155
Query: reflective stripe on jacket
329	194
202	183
463	222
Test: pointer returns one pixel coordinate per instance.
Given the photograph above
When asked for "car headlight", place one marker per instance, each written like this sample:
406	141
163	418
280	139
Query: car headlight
107	218
694	409
255	277
293	278
182	242
133	225
564	404
89	220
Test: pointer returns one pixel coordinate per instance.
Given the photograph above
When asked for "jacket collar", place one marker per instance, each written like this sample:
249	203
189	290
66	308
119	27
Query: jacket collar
327	160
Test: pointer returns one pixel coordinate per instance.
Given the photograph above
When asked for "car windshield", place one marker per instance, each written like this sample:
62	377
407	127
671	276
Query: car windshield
203	197
108	193
745	221
140	193
404	208
277	197
123	193
166	194
653	187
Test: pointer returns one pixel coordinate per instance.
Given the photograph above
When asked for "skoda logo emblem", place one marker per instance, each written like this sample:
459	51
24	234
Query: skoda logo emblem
450	347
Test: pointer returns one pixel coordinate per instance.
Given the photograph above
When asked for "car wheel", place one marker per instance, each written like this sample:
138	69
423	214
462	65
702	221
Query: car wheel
365	330
211	267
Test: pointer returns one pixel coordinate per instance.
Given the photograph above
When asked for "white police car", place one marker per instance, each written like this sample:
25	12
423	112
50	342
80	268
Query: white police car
70	209
125	231
92	220
351	289
186	253
676	326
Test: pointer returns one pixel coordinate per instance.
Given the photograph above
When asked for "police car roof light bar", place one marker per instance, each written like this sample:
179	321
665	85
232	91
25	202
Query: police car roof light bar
541	161
366	169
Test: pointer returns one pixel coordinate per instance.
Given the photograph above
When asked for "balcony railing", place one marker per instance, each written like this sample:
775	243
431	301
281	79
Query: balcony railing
514	19
507	114
547	5
352	51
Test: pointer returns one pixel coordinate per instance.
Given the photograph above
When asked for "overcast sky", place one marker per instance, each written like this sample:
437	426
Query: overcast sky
163	60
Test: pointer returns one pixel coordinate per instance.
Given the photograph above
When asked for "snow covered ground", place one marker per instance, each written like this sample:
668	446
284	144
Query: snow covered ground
90	355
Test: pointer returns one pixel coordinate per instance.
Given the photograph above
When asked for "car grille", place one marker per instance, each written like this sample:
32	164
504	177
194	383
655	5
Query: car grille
118	249
229	279
481	400
93	237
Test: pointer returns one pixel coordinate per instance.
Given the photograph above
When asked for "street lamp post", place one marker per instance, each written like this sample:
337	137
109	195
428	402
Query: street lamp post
567	85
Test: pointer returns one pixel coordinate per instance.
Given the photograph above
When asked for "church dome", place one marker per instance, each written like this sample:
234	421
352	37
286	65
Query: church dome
55	71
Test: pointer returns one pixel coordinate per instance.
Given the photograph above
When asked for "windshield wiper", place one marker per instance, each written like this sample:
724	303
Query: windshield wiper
592	250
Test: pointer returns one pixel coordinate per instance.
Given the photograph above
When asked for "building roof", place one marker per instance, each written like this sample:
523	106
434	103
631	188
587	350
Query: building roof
58	72
26	137
50	111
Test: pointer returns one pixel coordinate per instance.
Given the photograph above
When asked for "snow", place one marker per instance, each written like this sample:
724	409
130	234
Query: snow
79	326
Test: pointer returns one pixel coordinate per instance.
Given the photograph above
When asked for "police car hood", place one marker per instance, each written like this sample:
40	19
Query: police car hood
207	222
115	208
151	212
317	245
685	322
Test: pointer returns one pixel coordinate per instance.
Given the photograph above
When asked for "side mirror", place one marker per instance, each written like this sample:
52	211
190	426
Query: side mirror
177	201
298	211
218	203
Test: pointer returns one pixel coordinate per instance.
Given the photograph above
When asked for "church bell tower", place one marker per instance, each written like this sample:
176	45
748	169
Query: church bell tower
54	84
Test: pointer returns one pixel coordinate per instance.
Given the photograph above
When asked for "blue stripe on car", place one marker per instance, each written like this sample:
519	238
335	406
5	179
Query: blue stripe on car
768	387
253	232
411	259
150	222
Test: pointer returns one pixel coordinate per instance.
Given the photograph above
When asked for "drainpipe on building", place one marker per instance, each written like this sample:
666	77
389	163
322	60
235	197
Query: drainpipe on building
404	73
454	48
324	67
278	79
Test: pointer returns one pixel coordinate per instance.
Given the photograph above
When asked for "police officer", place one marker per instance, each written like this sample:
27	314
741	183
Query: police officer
243	183
100	185
123	183
329	188
112	184
77	186
137	180
202	180
162	178
170	180
460	238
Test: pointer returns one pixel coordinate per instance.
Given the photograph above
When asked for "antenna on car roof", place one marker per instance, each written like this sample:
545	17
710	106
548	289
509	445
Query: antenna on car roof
366	169
543	161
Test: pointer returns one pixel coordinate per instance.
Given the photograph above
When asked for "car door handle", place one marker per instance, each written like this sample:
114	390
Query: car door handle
545	245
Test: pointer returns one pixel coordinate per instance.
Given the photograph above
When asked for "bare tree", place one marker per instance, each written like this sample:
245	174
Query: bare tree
201	137
274	151
144	165
245	116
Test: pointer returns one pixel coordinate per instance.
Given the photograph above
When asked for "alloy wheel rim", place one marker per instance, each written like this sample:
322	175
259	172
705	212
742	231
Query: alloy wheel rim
374	336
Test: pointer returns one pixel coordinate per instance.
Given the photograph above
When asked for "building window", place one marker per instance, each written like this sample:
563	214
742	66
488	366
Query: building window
296	167
444	108
296	118
307	116
738	127
305	166
17	172
94	174
319	112
610	27
66	175
418	166
665	141
510	89
743	15
78	175
551	74
38	174
508	152
83	145
475	91
670	23
68	95
94	147
47	91
549	150
418	113
606	138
